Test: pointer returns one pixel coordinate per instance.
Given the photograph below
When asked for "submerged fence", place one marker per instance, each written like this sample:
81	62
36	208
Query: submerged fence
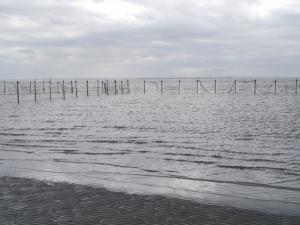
54	89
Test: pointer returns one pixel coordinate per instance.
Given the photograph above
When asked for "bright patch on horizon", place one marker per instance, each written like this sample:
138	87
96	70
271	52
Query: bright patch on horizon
265	8
114	9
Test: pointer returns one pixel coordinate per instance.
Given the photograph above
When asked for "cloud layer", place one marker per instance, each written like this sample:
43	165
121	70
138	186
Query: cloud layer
149	38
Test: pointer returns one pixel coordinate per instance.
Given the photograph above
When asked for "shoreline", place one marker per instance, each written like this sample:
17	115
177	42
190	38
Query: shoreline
29	201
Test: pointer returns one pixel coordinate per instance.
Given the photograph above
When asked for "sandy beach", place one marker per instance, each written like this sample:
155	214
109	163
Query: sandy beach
28	201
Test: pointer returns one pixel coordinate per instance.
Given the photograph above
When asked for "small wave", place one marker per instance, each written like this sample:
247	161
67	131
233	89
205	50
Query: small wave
219	150
11	150
258	168
13	116
140	142
11	134
159	141
183	154
95	163
190	161
116	127
251	184
54	132
244	139
104	141
79	126
143	151
27	146
151	171
75	152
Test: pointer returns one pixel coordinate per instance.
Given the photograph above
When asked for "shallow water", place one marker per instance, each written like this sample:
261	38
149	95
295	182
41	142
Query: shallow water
229	149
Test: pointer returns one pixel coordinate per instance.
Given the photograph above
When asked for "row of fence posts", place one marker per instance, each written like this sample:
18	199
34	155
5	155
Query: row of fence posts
215	86
104	88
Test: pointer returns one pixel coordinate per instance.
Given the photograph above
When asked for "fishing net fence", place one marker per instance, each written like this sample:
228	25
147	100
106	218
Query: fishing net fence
62	89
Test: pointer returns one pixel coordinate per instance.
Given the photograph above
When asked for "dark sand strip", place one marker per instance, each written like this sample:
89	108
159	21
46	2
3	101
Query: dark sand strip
28	201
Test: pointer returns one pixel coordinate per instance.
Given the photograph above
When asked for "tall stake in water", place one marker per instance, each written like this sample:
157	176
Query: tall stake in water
234	86
215	86
121	87
275	87
87	88
107	88
296	87
63	90
179	87
254	87
18	96
98	88
35	91
76	89
197	87
128	87
116	87
162	87
50	90
4	87
144	87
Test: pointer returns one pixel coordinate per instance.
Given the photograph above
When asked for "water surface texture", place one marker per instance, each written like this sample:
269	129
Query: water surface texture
231	149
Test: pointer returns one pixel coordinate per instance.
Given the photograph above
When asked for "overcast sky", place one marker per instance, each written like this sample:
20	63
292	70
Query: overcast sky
149	38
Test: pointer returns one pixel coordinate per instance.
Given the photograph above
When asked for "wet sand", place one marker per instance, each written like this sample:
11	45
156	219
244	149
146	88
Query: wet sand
28	201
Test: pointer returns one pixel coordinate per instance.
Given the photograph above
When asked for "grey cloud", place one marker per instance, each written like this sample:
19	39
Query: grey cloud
169	38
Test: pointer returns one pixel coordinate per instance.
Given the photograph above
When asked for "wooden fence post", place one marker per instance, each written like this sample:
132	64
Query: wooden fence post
162	87
72	87
50	90
4	87
98	88
254	87
63	90
87	88
121	86
76	89
102	87
128	90
275	87
296	87
107	87
18	94
197	86
116	87
179	87
144	87
44	87
35	91
234	86
215	86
